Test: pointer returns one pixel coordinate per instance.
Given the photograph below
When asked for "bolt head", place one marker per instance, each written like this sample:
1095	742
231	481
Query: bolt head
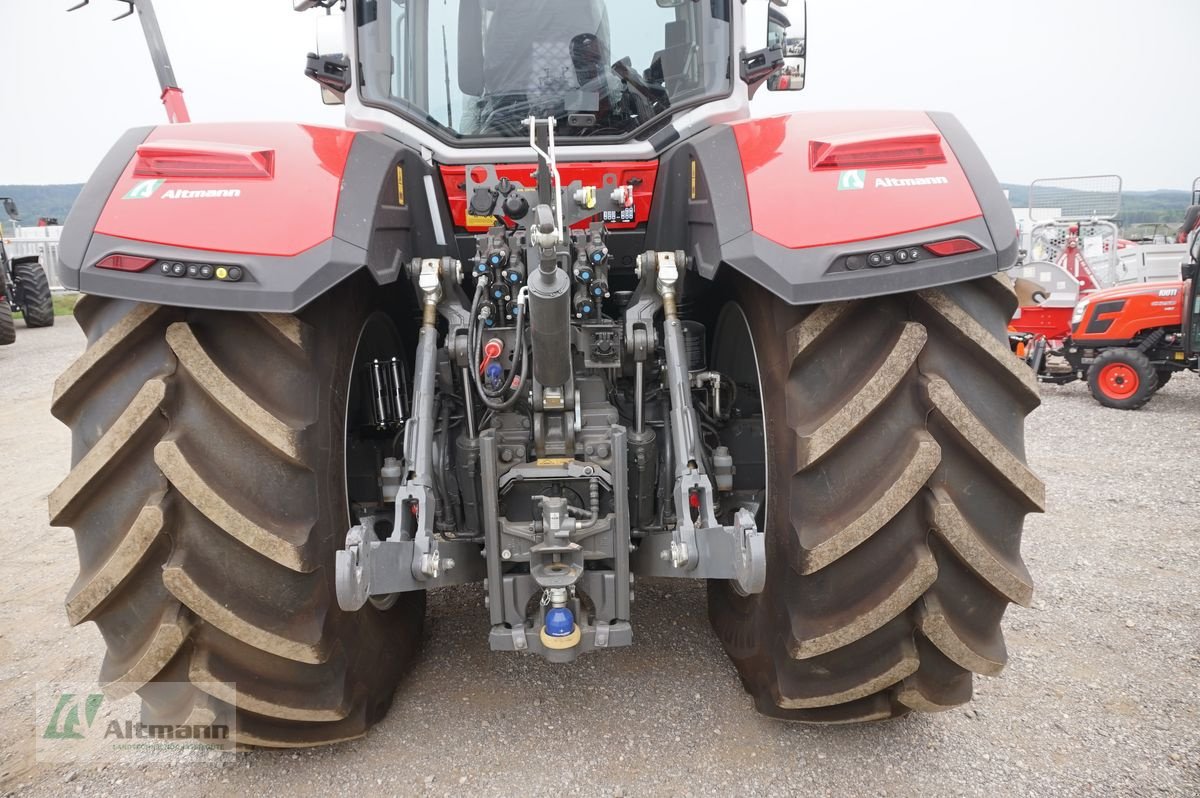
506	555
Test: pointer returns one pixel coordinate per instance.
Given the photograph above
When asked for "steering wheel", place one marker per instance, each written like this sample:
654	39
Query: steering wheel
652	94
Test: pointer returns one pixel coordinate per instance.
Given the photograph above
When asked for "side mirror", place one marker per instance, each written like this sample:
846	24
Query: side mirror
789	34
10	207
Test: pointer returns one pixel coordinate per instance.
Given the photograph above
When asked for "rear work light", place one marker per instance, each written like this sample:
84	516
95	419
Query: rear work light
897	151
125	263
172	159
952	246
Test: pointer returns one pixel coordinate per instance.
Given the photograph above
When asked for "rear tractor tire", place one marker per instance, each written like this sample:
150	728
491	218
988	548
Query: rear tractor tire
8	328
1164	376
1122	378
896	491
208	495
37	305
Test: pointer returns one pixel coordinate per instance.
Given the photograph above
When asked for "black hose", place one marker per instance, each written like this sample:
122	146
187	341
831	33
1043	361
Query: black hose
473	355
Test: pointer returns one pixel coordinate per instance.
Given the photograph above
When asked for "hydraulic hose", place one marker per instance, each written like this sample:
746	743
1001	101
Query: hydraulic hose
473	354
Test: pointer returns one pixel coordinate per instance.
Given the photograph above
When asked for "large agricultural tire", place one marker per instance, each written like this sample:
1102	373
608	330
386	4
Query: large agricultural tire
8	328
896	494
33	289
1122	378
208	497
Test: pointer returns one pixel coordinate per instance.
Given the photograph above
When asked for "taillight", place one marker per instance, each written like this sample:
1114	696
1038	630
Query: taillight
125	263
952	246
911	149
169	159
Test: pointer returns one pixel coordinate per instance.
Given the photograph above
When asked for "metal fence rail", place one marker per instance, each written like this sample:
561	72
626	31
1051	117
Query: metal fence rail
1075	198
41	242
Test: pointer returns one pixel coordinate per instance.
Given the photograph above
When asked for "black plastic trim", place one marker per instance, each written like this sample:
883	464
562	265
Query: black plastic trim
1097	325
85	213
271	284
806	276
995	206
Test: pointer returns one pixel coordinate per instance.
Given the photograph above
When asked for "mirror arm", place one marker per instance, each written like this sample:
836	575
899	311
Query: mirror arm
758	65
331	71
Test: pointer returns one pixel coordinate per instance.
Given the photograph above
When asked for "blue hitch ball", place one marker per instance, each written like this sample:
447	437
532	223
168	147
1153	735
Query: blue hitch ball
559	622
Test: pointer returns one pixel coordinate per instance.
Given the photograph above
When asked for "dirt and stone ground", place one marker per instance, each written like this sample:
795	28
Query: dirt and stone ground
1100	696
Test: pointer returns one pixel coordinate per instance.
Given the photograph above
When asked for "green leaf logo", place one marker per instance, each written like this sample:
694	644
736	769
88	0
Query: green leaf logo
65	720
853	180
144	189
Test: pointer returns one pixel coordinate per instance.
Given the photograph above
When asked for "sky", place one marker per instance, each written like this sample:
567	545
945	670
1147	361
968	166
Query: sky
1048	87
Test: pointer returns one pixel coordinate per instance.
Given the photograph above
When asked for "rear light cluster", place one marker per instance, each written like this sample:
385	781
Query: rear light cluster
185	160
909	150
893	257
174	268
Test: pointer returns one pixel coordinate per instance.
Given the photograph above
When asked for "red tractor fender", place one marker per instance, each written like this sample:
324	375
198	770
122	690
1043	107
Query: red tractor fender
289	210
825	206
256	189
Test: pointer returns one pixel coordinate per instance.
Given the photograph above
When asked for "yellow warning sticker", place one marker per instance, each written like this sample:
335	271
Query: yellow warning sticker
399	185
555	461
693	178
480	221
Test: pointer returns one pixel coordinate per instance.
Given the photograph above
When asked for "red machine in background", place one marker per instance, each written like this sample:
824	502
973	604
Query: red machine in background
1076	323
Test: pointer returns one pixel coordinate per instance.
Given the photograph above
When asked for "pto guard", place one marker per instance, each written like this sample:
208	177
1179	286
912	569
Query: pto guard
297	207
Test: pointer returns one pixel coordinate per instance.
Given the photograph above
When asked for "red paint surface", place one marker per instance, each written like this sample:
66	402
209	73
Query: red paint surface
796	206
1144	310
173	102
1054	323
282	216
589	174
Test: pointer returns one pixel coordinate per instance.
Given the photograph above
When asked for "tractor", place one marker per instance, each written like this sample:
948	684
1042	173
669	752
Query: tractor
1075	320
24	287
552	315
1128	341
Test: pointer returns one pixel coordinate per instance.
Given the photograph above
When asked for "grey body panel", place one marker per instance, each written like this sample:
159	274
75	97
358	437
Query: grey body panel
372	230
718	233
85	213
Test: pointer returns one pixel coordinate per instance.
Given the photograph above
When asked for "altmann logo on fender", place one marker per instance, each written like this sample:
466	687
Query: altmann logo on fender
902	182
212	193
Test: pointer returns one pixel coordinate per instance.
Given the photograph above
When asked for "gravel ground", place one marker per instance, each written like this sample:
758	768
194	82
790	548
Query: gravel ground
1099	698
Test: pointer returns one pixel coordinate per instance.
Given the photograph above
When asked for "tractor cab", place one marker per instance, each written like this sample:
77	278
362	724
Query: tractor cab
631	75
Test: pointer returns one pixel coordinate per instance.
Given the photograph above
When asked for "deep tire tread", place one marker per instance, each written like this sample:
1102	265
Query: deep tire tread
37	304
887	581
206	513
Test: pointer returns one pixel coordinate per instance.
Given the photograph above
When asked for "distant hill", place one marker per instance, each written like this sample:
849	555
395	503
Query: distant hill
1163	205
36	202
